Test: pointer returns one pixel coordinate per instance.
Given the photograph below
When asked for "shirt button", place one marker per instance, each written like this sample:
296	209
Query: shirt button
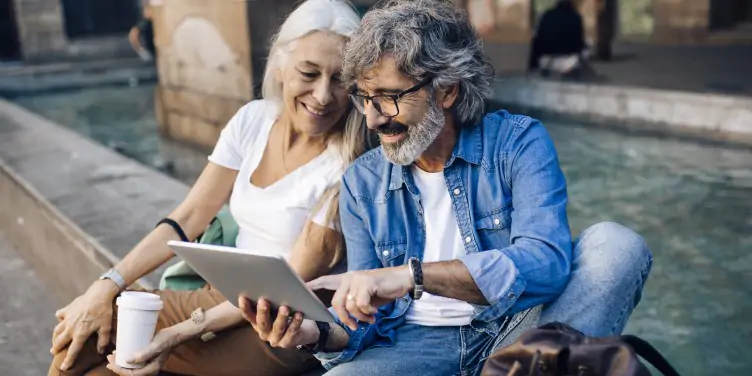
468	239
385	253
497	221
456	191
511	296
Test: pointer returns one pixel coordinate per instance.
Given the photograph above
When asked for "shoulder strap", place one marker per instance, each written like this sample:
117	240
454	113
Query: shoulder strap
649	353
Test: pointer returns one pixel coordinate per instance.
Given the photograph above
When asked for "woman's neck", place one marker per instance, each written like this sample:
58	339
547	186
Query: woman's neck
293	137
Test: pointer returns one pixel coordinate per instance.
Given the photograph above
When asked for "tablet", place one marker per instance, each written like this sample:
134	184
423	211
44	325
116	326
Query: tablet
238	272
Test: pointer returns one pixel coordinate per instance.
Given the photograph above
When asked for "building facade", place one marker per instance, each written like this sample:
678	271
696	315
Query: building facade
49	30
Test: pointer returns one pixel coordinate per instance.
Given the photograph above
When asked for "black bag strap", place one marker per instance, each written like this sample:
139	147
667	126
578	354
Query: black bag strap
649	353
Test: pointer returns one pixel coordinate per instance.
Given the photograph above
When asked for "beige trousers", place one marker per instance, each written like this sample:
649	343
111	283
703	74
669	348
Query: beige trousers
234	351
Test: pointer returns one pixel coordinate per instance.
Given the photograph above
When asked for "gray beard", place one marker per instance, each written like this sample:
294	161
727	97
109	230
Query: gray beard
418	138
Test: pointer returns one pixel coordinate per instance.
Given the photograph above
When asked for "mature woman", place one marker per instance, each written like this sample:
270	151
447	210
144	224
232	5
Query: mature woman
279	161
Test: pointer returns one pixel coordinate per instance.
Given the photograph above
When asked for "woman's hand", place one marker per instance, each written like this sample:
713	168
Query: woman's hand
87	314
281	331
153	356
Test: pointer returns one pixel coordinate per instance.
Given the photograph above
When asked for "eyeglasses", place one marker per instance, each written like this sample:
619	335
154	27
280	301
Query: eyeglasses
385	104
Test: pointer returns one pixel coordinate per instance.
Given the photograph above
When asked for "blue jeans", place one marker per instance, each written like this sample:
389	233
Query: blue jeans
611	264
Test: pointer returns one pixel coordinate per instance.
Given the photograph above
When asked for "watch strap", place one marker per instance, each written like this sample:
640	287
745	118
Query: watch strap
115	277
416	272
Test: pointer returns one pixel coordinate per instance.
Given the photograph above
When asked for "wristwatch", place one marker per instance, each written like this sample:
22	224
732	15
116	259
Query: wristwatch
114	276
314	348
416	272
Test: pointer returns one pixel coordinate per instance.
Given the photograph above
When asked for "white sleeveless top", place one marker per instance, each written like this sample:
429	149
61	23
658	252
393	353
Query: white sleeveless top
271	218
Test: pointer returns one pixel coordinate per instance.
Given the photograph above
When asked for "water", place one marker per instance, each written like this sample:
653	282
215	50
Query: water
691	202
121	118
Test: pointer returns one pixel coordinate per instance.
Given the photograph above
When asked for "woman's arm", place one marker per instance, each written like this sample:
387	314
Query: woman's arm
92	311
315	251
209	193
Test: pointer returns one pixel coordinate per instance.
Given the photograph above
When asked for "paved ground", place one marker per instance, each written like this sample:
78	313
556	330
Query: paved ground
26	313
712	69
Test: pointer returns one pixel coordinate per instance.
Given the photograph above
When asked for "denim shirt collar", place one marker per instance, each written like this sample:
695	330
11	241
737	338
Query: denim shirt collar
469	147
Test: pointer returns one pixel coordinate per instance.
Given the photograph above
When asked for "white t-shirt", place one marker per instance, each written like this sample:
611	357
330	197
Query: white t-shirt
271	219
443	242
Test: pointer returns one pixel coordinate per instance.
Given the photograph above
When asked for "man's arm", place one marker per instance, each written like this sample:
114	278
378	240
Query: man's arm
538	260
451	279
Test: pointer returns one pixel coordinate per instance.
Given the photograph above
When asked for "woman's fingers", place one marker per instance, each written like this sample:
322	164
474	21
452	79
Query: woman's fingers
263	322
103	337
77	343
62	339
247	309
150	369
293	330
280	326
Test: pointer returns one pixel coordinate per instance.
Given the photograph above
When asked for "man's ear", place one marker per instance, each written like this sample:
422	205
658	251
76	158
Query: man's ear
448	96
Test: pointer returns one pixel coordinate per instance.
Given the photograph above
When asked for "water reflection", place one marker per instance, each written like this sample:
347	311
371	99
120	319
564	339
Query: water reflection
123	120
692	203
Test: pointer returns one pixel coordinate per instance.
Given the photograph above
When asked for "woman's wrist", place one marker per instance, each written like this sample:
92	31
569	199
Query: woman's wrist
105	288
185	331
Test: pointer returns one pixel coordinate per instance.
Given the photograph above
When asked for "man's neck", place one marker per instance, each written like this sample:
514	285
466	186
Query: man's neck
436	156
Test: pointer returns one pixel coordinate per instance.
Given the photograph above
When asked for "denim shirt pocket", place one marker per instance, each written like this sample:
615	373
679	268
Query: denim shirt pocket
493	228
391	253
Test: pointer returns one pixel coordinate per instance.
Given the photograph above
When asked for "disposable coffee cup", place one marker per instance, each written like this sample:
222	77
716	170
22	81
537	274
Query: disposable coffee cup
136	321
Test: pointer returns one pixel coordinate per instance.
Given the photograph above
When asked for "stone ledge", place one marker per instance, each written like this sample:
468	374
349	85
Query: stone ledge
705	116
83	206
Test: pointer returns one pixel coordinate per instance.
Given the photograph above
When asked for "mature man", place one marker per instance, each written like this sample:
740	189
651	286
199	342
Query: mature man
456	227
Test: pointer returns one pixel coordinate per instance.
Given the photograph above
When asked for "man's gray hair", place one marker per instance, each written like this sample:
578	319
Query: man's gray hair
426	38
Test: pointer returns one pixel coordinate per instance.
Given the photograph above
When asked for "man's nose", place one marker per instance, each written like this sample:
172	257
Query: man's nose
374	119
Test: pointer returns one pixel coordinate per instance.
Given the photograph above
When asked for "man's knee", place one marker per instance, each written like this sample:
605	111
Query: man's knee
610	251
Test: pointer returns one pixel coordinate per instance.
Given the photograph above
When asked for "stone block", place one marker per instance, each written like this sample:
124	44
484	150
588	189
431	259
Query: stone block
680	20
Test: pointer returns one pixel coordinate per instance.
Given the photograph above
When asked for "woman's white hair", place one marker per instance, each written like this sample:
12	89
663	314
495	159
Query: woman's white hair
334	16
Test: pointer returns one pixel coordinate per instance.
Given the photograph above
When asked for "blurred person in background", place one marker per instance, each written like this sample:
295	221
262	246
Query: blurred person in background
558	46
141	35
279	161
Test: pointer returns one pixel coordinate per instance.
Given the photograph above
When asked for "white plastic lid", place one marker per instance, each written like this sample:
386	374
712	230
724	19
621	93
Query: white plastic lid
144	301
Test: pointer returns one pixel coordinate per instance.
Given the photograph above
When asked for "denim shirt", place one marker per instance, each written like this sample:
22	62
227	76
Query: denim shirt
509	197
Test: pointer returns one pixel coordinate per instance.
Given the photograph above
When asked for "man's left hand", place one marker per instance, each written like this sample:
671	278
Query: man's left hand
361	293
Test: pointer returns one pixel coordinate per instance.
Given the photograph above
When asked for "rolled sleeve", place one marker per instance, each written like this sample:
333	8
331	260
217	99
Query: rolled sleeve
535	267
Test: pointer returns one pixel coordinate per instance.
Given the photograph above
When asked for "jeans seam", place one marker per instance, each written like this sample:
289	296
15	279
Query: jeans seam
462	351
639	284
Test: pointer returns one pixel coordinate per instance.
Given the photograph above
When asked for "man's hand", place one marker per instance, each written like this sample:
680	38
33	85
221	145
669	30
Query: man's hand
88	314
282	331
361	293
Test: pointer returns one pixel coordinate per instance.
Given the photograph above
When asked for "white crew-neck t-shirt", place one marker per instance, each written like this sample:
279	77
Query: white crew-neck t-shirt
443	242
271	219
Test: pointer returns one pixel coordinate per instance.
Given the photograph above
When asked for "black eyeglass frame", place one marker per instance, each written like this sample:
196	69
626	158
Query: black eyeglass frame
394	97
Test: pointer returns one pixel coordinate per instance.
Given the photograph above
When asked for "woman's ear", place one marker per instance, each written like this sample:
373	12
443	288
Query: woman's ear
278	74
448	96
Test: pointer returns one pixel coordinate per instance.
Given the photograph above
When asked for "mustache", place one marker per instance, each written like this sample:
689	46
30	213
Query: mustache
392	127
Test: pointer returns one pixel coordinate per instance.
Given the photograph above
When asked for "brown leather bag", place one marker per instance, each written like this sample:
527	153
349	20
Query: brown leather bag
556	349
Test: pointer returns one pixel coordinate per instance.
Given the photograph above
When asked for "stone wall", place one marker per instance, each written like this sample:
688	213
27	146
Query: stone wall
41	29
680	20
